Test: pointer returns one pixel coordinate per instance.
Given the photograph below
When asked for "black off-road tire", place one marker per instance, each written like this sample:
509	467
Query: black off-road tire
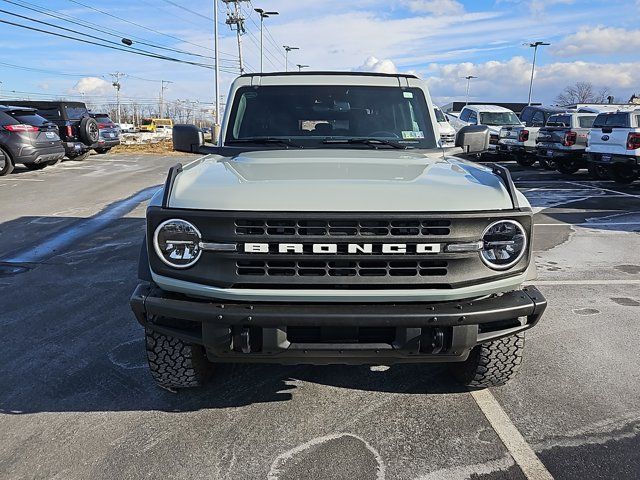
6	164
79	158
548	164
175	363
491	364
89	131
623	174
525	160
568	166
599	172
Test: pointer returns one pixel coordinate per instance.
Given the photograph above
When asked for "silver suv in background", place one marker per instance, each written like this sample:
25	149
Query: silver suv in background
614	143
491	116
562	142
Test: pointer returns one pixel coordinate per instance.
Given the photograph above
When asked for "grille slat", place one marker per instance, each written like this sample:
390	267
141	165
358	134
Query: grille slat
343	228
341	268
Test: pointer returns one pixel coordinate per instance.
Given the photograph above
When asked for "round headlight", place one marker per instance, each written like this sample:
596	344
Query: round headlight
177	243
504	244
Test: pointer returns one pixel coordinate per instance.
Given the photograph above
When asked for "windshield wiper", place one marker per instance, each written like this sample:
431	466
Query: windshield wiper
266	141
372	142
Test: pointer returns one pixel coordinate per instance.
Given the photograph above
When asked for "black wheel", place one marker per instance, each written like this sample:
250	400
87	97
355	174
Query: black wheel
79	158
6	164
175	363
491	364
89	131
36	166
622	174
102	151
568	166
54	162
598	171
525	160
548	164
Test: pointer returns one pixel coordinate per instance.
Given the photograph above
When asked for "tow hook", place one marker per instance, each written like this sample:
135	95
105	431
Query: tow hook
244	340
437	341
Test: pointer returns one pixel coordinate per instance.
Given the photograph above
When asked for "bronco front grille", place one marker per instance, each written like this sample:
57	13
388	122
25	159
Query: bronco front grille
342	268
342	228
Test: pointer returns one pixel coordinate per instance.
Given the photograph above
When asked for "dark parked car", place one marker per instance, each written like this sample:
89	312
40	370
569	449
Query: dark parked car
27	138
109	132
78	131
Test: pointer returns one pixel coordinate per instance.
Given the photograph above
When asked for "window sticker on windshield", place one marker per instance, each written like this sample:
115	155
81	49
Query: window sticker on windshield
407	94
408	135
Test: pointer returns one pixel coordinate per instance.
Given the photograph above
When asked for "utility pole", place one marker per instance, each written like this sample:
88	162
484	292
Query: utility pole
217	61
468	78
162	89
287	49
116	83
535	46
263	15
235	18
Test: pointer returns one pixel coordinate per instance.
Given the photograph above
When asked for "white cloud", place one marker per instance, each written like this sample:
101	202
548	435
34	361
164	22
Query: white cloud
436	7
509	80
93	86
372	64
599	40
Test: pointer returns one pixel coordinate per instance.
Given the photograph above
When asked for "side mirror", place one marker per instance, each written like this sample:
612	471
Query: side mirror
473	138
187	138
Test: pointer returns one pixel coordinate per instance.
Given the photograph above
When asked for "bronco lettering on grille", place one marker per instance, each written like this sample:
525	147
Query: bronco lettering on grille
350	248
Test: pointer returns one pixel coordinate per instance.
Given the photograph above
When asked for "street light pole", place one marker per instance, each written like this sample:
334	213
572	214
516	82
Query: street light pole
287	49
535	46
263	15
468	77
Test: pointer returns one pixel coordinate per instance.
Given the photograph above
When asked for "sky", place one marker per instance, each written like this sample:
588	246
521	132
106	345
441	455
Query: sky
438	40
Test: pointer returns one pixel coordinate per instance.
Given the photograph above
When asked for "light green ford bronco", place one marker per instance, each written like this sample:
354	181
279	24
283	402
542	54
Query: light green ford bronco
329	226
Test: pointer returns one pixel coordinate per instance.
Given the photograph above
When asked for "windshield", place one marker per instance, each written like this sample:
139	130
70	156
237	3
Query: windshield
147	121
559	121
75	113
312	114
614	120
498	118
28	117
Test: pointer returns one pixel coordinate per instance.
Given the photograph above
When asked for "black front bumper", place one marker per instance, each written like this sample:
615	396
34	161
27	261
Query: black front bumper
337	333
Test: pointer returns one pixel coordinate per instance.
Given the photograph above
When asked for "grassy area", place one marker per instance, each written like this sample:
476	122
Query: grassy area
164	147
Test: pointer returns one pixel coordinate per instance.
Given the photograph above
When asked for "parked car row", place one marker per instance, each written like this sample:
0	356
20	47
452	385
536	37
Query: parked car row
41	133
608	143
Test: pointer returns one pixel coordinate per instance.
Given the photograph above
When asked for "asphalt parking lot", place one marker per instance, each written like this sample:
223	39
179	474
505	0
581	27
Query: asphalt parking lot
76	399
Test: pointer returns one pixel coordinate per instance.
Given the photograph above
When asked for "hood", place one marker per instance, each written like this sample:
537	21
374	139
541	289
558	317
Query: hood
338	180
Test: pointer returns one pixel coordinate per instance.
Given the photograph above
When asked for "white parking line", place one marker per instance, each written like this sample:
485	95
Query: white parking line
606	190
520	450
586	224
603	281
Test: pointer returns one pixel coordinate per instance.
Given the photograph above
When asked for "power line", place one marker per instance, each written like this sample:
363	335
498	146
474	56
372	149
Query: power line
133	49
112	47
141	26
107	31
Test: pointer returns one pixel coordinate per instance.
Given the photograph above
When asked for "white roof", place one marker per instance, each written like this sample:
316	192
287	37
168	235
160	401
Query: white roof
488	108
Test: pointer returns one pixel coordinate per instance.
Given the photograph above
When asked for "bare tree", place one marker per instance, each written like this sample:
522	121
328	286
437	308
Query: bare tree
583	92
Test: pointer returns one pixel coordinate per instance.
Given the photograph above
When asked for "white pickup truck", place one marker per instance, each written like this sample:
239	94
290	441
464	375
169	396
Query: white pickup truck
614	143
492	116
